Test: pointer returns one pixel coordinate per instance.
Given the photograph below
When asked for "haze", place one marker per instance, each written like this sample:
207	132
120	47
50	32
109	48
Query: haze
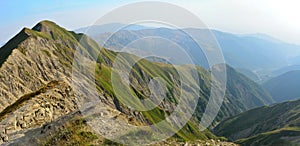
278	18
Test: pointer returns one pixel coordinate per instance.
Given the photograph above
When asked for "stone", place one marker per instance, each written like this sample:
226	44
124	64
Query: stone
5	138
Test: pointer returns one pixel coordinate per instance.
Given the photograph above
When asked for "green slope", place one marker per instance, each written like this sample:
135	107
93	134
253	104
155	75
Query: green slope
264	126
284	136
140	75
241	94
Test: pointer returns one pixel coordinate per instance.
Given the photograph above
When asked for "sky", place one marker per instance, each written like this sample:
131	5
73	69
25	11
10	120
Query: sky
277	18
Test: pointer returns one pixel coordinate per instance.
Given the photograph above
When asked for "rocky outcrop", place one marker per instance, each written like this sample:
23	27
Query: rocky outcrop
29	67
35	84
56	99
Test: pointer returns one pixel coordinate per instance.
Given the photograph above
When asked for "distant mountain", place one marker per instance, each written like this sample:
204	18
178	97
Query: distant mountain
255	53
284	87
278	124
263	37
250	52
285	69
251	75
295	60
242	94
111	27
37	90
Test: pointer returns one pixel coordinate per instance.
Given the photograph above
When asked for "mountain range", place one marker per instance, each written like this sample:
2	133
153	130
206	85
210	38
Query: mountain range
40	106
251	51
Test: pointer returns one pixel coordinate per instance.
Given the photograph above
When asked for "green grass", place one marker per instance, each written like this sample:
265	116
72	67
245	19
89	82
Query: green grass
73	133
265	125
273	138
263	118
47	52
36	34
142	72
57	32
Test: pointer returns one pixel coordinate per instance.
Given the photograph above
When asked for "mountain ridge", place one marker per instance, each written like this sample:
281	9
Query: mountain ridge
277	124
239	50
284	87
47	55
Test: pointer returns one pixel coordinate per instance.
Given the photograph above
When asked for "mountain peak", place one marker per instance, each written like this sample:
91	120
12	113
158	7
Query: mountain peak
44	26
44	29
49	28
52	30
44	23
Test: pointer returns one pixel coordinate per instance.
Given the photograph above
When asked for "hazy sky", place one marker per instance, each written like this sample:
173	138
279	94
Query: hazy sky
278	18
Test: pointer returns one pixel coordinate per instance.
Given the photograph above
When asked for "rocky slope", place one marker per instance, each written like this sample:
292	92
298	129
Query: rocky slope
278	124
72	129
34	109
36	86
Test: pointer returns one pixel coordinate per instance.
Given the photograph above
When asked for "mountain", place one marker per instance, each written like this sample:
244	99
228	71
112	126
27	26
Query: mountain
250	74
43	89
284	87
263	37
111	27
295	60
285	69
242	94
251	52
278	124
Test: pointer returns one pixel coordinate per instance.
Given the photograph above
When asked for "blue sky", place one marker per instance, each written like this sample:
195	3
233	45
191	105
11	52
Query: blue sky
278	18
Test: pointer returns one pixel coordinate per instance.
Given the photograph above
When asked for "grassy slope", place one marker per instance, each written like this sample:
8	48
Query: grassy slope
284	136
264	125
189	132
245	94
73	132
239	86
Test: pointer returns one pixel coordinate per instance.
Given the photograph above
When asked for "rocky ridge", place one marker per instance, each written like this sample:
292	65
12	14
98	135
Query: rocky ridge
36	86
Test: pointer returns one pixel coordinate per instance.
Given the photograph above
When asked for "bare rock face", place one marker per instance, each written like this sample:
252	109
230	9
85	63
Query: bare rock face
35	80
56	100
35	84
27	69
